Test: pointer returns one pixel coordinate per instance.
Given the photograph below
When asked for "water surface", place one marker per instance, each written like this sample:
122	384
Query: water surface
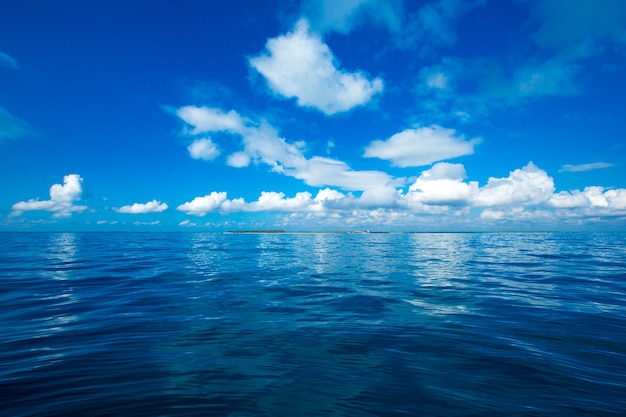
180	324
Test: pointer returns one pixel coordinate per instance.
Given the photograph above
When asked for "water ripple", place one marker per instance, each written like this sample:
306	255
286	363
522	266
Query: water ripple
312	324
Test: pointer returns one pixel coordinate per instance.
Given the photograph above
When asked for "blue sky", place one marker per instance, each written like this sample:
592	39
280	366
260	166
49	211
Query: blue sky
313	115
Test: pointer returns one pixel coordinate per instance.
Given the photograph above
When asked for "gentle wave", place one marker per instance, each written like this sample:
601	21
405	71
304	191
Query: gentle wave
312	324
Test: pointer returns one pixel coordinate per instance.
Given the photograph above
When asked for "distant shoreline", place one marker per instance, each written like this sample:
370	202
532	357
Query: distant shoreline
299	232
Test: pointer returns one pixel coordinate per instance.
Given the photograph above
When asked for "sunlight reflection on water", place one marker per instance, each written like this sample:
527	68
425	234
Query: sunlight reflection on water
297	324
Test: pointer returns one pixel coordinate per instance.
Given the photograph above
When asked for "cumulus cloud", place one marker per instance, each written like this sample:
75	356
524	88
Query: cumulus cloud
443	185
153	206
421	146
525	195
592	198
62	198
238	160
299	65
206	119
273	201
203	149
200	206
526	186
262	144
585	167
320	171
8	61
12	127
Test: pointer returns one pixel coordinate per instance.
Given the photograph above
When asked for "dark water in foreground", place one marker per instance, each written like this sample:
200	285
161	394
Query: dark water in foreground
312	324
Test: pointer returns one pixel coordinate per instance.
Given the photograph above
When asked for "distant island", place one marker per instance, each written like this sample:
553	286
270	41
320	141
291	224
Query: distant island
278	231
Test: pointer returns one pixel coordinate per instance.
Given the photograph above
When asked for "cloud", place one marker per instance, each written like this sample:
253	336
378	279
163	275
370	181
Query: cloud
273	201
206	119
200	206
590	198
62	198
262	144
421	146
12	127
268	201
319	171
153	223
238	160
153	206
187	223
203	149
526	186
585	167
526	195
343	16
443	185
299	65
8	61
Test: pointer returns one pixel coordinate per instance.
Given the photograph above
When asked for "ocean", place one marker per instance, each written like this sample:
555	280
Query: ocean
312	324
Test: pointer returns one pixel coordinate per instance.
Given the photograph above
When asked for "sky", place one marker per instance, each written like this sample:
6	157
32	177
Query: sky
313	115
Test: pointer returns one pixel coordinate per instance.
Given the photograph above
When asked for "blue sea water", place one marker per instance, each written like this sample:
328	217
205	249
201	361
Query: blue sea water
209	324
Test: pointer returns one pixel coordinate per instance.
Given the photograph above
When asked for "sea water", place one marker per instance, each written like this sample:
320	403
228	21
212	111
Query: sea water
320	324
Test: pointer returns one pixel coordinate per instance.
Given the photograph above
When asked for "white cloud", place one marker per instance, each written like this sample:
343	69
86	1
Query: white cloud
320	171
8	61
12	127
594	199
569	200
71	189
525	196
443	185
203	149
379	197
527	186
200	206
273	201
263	144
238	160
153	206
205	119
421	146
62	198
153	223
585	167
299	65
187	223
